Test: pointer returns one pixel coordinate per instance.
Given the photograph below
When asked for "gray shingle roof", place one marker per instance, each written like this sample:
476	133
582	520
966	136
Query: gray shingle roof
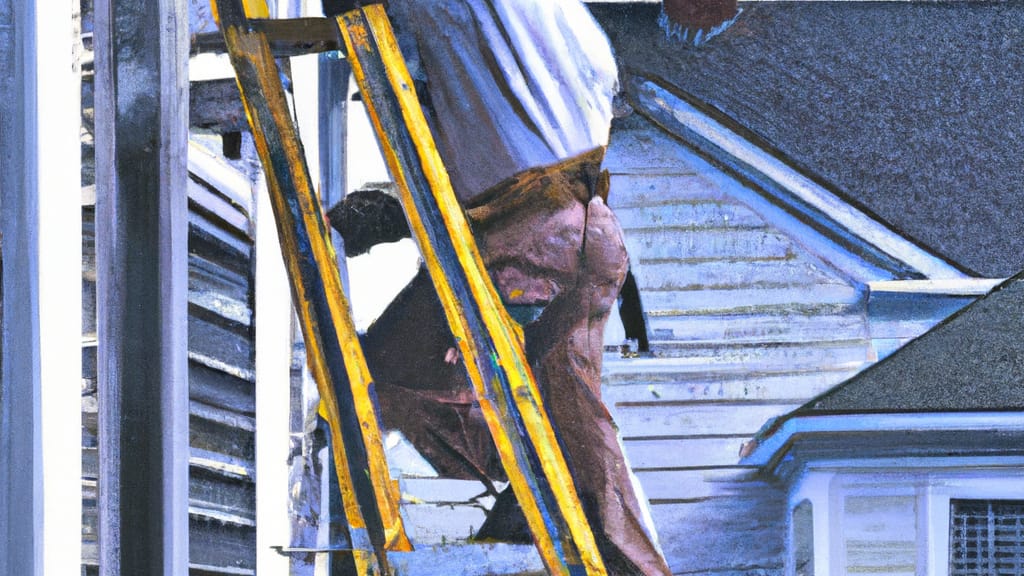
912	110
974	361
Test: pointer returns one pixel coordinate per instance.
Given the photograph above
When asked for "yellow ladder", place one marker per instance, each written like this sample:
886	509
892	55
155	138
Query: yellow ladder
488	338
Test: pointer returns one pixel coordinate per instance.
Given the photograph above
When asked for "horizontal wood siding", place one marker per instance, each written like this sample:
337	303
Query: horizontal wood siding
792	323
663	486
745	324
221	386
691	215
710	244
765	387
880	534
687	419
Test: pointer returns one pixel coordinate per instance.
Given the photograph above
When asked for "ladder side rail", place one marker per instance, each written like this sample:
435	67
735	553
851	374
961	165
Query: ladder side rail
488	338
335	356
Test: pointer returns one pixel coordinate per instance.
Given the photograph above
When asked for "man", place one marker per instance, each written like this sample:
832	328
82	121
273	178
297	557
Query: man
519	97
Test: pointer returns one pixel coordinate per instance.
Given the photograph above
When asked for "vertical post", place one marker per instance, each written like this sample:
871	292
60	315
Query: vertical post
320	88
40	223
332	95
334	73
273	393
142	259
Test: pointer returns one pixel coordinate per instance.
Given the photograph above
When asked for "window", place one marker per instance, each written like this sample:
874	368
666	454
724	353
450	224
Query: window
803	539
986	537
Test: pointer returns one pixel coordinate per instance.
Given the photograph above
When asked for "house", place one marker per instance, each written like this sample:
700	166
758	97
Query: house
750	323
795	209
915	465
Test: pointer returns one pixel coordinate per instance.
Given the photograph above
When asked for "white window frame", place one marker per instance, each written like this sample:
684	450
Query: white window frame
814	487
997	483
934	482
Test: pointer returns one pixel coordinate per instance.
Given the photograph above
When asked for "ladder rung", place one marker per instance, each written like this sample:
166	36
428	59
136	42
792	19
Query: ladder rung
287	37
286	550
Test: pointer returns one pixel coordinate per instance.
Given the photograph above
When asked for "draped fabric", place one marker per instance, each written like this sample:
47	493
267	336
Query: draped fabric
511	85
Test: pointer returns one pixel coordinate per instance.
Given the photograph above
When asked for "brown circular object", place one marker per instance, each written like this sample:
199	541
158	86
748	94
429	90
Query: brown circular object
699	14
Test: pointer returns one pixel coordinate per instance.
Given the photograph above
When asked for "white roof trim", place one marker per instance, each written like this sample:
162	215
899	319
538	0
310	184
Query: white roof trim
856	222
769	447
945	287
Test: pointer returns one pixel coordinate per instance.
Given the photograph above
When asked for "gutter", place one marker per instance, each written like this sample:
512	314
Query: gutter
771	445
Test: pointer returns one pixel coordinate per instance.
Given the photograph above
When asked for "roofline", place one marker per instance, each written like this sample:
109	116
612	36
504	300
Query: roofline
859	232
938	287
772	447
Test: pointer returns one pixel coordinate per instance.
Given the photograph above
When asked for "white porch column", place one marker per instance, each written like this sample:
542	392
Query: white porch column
142	285
40	223
273	391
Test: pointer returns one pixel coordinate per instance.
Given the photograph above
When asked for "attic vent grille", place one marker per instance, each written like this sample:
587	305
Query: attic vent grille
986	537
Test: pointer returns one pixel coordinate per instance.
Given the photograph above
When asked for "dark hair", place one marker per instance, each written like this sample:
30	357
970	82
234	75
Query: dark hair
366	218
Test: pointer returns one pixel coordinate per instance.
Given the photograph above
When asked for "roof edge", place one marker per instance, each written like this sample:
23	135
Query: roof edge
771	445
938	287
858	232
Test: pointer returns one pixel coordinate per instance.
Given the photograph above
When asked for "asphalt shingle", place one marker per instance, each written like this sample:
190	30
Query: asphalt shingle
912	110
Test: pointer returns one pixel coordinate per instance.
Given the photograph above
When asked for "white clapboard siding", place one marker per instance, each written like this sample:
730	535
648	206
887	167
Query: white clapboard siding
725	379
693	484
648	189
431	524
901	329
460	559
791	324
749	358
714	301
683	275
745	323
756	387
708	244
782	353
659	454
689	215
443	510
879	534
695	419
636	148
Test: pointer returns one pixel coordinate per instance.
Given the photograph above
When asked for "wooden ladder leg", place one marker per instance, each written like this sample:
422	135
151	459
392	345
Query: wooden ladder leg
489	340
336	359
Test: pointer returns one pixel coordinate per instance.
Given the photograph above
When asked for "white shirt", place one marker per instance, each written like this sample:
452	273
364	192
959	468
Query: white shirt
513	84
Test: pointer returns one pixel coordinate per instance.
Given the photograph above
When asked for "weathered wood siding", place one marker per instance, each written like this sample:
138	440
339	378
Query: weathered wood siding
879	534
221	384
745	324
